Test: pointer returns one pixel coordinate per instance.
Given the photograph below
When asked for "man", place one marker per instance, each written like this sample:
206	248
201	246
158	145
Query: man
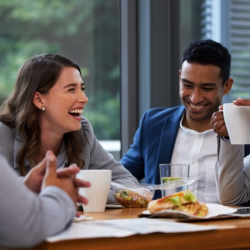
183	134
27	217
232	169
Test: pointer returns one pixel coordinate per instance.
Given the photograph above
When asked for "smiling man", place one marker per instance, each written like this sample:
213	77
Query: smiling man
183	134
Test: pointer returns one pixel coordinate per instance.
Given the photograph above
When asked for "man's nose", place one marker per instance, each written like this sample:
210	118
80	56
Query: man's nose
196	96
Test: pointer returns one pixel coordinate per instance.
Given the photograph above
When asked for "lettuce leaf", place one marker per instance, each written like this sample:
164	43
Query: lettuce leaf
175	200
190	197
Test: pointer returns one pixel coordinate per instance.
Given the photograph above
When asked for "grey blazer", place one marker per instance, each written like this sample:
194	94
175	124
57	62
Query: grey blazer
232	174
95	156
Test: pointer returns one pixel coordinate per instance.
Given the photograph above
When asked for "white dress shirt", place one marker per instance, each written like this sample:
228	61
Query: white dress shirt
200	151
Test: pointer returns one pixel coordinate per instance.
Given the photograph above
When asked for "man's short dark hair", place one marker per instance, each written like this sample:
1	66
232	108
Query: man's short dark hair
209	52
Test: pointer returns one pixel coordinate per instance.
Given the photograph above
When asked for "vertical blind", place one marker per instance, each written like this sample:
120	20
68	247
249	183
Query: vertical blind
235	32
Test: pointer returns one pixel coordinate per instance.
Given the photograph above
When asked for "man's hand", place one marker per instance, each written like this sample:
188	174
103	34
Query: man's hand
66	182
72	170
33	180
218	123
242	102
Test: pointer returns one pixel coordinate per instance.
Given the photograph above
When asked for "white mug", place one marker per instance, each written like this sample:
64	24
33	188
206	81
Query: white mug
97	193
237	120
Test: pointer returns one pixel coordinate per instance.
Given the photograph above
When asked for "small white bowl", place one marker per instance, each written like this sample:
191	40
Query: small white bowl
134	196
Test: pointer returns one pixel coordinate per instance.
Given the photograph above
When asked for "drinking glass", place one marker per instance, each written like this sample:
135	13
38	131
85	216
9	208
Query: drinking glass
171	172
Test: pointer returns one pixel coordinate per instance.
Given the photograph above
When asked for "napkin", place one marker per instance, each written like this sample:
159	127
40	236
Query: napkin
82	218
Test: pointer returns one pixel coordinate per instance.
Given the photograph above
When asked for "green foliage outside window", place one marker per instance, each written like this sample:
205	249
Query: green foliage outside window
87	31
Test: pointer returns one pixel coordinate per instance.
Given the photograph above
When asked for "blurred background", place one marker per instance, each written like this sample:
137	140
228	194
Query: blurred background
129	51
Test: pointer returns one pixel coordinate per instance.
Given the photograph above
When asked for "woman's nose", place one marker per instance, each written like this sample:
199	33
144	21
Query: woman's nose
83	97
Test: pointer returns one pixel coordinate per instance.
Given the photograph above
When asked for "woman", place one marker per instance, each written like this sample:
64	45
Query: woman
44	113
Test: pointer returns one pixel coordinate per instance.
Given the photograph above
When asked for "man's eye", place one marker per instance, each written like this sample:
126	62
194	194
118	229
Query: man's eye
186	85
71	90
83	89
208	89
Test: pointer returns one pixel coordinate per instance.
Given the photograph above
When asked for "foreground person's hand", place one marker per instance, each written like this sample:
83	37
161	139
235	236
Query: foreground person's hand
33	180
69	183
218	123
71	171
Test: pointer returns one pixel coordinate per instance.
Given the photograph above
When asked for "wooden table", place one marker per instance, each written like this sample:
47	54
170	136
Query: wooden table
231	234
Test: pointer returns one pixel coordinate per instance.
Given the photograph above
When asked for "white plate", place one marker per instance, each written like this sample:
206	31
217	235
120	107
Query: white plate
213	211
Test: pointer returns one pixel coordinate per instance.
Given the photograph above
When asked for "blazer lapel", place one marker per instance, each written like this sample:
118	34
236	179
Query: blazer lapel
168	137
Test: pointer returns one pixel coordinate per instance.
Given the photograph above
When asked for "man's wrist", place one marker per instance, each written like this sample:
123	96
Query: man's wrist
225	138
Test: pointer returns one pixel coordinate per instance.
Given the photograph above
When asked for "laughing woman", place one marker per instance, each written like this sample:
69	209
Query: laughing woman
44	113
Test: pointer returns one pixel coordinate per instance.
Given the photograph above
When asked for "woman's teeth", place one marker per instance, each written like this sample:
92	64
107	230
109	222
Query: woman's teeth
76	112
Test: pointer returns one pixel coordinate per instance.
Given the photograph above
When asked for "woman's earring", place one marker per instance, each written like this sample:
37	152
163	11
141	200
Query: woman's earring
43	108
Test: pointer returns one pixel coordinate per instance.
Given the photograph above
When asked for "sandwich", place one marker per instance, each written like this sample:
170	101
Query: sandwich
184	201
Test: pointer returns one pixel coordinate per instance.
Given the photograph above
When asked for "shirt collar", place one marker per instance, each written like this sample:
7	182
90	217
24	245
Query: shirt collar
191	131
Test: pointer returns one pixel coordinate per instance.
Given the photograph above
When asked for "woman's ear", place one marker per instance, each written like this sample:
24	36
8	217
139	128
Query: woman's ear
37	100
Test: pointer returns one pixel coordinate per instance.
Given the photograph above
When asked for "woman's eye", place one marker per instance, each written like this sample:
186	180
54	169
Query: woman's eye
83	89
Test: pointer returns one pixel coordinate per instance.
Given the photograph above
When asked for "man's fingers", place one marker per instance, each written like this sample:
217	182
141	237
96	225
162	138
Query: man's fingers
68	172
218	124
51	163
223	131
81	183
41	167
82	199
217	117
242	102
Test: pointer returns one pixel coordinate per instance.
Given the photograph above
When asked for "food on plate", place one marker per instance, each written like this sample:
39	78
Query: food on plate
184	201
128	198
171	201
196	209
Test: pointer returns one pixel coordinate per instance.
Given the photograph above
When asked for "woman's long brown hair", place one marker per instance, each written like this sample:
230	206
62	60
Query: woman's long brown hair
20	114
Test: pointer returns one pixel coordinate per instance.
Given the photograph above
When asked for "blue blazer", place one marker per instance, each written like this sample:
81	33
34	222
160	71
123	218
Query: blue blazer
153	143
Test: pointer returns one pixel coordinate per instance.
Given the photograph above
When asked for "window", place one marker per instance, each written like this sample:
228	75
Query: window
83	30
228	22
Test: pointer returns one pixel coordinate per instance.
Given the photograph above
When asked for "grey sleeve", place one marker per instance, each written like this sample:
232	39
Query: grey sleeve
7	143
27	218
96	157
232	174
100	158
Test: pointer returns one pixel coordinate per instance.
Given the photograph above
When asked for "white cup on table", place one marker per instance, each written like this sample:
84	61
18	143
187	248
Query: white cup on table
97	193
237	120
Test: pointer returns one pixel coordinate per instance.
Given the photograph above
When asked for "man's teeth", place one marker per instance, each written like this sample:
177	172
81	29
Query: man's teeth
196	107
79	111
